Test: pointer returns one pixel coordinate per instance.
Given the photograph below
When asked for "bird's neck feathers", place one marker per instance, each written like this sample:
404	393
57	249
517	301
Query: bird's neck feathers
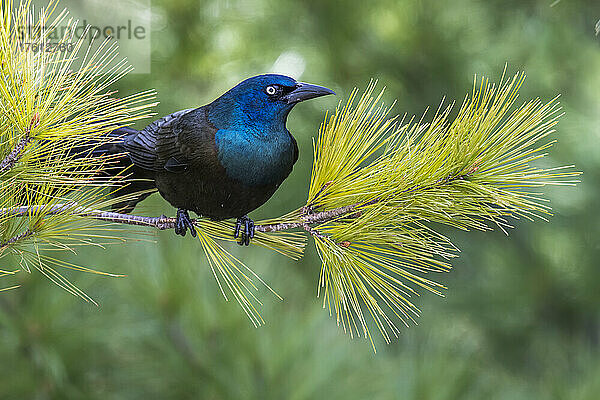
248	114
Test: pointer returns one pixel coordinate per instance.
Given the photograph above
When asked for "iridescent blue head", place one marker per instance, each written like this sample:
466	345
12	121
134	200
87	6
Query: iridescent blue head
262	102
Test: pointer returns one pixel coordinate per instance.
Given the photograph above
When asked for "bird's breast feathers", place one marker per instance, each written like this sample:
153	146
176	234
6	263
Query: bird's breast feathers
256	160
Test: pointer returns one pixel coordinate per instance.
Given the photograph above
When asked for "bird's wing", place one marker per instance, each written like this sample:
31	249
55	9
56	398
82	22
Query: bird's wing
150	146
174	142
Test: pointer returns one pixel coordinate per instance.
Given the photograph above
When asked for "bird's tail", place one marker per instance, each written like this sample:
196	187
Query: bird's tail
139	183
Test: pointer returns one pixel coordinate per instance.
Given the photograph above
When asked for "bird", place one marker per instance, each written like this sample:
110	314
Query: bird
221	160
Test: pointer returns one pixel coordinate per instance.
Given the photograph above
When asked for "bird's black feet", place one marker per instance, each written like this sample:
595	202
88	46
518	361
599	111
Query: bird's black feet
248	230
184	222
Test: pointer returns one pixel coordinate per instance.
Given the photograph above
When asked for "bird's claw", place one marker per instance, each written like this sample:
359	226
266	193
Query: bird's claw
247	233
183	222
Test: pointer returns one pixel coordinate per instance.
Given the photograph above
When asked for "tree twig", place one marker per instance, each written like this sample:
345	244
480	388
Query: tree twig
309	217
23	235
164	222
11	158
313	232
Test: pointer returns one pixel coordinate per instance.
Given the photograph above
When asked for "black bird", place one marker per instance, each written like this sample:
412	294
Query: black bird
221	160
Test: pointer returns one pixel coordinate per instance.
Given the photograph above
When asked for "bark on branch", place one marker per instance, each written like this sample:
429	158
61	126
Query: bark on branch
21	236
11	158
15	155
163	222
308	217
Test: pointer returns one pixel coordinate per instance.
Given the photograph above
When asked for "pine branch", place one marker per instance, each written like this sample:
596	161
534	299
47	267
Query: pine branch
15	239
48	107
163	222
17	152
11	158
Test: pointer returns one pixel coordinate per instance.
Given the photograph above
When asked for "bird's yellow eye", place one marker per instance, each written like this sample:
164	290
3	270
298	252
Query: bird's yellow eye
271	90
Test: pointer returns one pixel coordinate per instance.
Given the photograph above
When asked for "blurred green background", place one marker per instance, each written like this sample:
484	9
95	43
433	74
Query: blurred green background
521	317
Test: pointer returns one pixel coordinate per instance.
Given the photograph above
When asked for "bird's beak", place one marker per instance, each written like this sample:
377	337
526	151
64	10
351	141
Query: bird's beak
306	91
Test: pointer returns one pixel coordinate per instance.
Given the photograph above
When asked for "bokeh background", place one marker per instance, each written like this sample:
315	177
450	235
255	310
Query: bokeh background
521	316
